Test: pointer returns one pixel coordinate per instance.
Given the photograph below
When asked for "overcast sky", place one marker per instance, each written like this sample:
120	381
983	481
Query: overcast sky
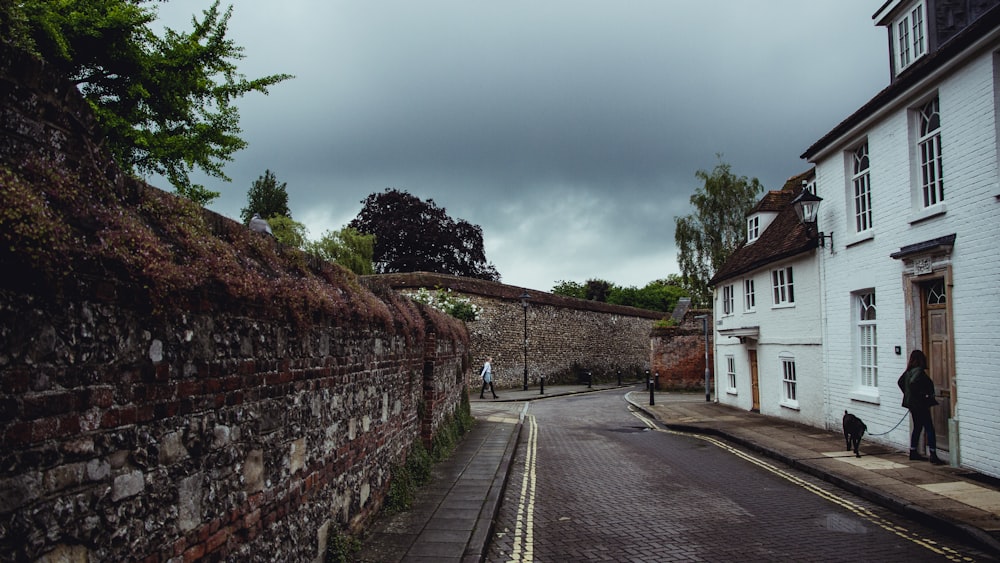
570	131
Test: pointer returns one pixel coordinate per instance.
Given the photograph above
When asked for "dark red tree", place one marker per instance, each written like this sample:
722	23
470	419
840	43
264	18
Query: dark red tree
413	235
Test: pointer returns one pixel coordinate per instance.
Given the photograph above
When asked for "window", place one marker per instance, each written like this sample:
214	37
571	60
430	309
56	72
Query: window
731	371
910	37
753	228
862	189
929	152
727	299
749	296
781	281
788	390
867	340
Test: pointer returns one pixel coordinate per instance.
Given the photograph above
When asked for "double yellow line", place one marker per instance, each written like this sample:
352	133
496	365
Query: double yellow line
523	534
860	511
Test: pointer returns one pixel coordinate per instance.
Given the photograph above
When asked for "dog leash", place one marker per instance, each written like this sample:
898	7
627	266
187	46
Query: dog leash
893	428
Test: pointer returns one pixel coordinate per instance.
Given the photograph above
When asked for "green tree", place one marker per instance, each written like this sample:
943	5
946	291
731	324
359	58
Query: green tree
597	290
413	235
706	238
570	289
267	198
659	295
165	104
348	247
287	231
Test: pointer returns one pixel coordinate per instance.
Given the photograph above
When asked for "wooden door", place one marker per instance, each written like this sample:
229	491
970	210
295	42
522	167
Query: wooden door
937	347
754	383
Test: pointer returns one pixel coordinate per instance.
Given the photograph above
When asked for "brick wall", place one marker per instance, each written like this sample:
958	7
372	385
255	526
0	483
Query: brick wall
678	354
566	337
173	386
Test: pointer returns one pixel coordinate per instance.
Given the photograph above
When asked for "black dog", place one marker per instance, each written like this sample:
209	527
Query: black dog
854	429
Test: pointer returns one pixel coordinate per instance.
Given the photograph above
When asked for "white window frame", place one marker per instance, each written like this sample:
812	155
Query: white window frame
789	381
867	345
783	287
753	228
749	296
861	183
728	299
731	373
930	174
910	31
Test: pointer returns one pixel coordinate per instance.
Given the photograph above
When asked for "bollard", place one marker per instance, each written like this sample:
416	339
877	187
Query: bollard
652	401
619	378
590	379
657	381
541	386
648	381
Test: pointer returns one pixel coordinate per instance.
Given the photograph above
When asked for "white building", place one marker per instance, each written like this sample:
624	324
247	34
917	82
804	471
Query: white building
768	345
910	188
910	185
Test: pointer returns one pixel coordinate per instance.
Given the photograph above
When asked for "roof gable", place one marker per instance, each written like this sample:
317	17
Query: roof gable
784	237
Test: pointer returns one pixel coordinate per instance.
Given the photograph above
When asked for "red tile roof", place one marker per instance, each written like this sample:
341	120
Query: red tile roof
783	238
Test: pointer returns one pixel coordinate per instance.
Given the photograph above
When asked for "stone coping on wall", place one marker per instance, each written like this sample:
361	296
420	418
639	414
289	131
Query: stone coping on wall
497	290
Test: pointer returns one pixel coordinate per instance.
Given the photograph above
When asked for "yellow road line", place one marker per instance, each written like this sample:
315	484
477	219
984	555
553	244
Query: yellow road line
523	530
860	511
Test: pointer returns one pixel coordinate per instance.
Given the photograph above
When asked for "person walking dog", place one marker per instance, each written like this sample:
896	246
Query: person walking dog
487	375
918	397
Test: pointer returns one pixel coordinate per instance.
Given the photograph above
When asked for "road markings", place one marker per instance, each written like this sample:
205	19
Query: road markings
860	511
523	530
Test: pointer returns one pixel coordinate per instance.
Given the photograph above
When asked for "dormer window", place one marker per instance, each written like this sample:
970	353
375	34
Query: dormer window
911	36
753	228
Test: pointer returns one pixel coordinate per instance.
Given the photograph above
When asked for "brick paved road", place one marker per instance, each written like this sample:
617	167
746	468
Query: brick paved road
592	483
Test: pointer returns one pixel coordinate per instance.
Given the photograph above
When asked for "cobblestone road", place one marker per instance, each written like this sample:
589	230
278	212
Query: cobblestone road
592	482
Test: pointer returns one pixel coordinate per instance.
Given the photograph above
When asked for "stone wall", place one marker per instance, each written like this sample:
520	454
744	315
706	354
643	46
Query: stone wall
175	387
567	337
678	353
202	433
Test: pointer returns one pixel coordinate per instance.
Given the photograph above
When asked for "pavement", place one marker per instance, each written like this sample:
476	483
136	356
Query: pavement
452	517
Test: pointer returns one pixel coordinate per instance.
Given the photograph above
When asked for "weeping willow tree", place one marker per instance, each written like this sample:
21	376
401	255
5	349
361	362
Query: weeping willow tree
706	238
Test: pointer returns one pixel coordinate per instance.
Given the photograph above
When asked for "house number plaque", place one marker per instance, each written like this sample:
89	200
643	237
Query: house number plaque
922	266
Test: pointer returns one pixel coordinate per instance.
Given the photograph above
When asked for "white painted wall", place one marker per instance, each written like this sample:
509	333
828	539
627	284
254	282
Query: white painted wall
793	330
968	102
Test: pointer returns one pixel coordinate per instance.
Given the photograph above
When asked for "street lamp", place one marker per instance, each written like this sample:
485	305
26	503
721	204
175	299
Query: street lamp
807	209
708	370
524	305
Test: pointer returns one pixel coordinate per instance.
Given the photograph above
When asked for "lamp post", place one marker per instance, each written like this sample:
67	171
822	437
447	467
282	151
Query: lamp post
708	370
524	305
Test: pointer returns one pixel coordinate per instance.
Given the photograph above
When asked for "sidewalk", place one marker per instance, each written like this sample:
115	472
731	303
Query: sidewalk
452	517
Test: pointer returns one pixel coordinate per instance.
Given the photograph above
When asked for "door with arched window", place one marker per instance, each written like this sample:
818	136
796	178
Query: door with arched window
937	347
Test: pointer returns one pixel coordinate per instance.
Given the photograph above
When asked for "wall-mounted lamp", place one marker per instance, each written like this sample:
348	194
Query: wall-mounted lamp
807	208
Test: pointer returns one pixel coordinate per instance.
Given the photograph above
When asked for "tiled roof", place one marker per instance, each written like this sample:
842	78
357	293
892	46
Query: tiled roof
783	238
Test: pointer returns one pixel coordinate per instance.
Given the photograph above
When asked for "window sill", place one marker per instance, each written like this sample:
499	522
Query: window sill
793	405
783	306
862	397
928	213
732	391
860	238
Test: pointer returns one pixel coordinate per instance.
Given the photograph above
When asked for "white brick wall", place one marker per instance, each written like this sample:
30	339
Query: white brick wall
793	330
968	101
